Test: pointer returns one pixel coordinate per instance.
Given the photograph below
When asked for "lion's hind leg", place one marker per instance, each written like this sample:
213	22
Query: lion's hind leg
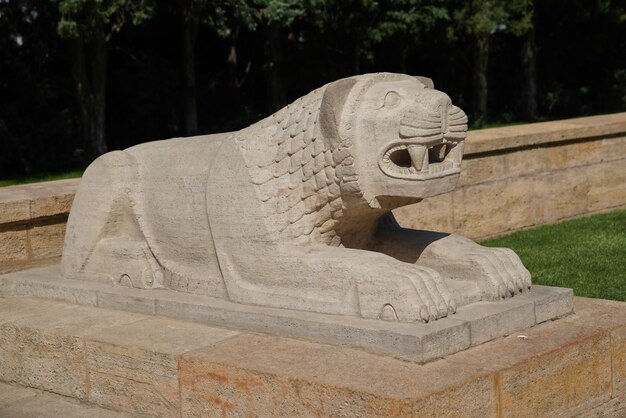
103	240
127	262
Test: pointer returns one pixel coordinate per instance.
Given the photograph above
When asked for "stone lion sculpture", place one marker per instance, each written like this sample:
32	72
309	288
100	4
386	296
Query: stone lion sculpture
295	211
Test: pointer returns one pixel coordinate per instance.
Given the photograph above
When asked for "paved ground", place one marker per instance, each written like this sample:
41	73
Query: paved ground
20	402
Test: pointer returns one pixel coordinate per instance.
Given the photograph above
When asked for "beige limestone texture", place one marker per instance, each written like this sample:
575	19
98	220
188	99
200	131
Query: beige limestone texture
295	211
32	223
38	200
40	359
55	204
46	240
109	358
11	394
474	323
14	211
607	316
607	184
546	133
14	245
22	402
562	368
568	380
135	368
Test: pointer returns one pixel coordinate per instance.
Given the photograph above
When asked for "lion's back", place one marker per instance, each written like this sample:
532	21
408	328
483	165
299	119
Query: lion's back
170	206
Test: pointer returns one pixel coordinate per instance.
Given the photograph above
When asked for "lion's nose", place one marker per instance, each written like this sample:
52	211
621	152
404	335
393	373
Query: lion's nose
438	102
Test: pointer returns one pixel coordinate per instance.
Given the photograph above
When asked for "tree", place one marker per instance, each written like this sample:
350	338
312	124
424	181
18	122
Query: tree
365	24
189	20
89	24
480	19
224	18
36	119
404	22
349	23
520	22
274	16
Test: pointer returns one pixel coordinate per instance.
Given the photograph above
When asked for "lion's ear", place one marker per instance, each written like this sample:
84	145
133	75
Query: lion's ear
428	82
332	106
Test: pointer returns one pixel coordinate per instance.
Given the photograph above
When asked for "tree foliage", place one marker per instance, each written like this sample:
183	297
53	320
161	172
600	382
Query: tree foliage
280	12
410	19
84	18
247	57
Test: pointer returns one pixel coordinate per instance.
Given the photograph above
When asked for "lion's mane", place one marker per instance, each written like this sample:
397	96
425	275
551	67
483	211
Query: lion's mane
304	179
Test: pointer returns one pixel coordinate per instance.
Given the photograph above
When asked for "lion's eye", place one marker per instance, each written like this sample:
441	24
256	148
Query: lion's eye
392	99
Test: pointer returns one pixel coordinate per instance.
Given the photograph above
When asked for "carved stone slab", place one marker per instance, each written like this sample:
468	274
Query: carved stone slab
472	324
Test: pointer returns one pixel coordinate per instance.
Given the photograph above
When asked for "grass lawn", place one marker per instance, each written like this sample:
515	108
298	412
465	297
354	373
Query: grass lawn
586	254
42	177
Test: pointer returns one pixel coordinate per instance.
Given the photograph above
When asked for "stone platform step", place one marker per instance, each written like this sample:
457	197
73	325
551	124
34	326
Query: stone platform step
147	365
472	324
21	402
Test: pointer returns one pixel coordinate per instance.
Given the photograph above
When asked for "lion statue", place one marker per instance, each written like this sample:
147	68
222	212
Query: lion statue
295	211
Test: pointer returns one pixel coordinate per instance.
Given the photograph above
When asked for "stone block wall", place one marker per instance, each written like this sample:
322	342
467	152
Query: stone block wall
32	223
513	177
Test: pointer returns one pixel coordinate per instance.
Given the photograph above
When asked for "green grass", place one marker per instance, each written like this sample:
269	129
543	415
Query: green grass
42	177
586	254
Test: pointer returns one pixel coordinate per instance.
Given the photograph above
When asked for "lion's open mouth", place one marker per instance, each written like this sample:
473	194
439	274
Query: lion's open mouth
430	146
418	161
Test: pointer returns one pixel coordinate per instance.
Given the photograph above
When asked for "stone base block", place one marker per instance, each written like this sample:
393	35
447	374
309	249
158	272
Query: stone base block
22	402
153	366
473	324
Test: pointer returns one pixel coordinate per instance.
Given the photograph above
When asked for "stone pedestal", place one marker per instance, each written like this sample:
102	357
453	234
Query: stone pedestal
144	364
473	324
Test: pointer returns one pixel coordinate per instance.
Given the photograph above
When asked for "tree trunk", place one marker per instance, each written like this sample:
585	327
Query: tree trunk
404	54
89	67
98	70
276	94
481	60
357	58
189	32
529	74
400	48
83	94
231	67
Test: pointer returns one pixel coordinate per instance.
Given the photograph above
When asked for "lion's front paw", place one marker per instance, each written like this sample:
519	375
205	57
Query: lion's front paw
500	272
405	293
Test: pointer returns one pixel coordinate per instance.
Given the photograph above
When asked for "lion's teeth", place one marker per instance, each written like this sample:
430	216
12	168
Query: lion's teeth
459	153
419	156
437	153
455	155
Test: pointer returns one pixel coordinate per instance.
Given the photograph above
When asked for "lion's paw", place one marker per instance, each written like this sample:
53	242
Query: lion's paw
502	273
405	293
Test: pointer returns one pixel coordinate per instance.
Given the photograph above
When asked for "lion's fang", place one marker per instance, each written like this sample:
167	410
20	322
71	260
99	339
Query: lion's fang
419	157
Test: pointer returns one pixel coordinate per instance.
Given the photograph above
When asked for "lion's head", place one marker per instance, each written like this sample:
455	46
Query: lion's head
375	141
406	137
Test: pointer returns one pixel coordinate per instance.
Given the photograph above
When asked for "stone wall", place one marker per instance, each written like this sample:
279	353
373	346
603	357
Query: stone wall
32	223
513	178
